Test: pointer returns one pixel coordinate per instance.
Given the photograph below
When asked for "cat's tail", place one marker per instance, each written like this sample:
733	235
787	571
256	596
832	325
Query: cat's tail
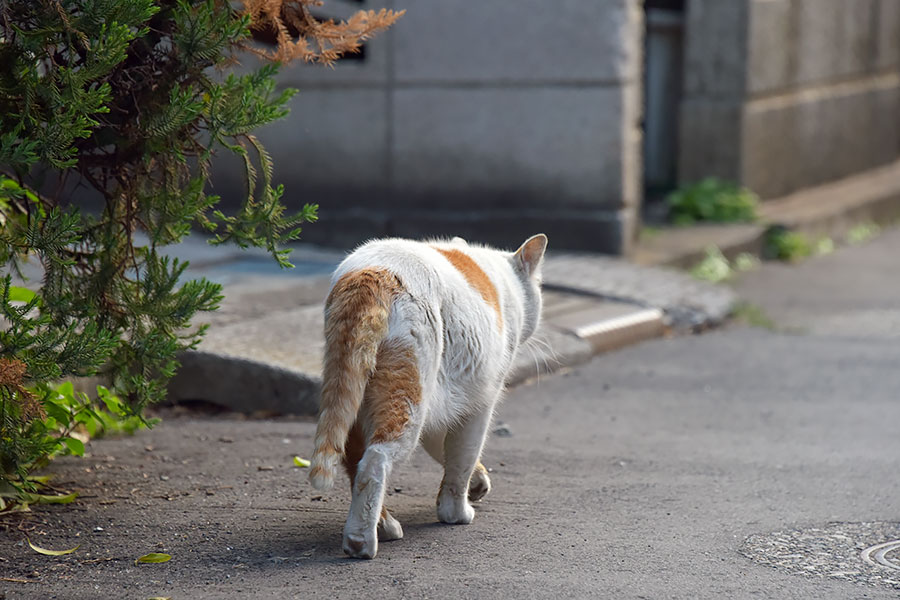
356	322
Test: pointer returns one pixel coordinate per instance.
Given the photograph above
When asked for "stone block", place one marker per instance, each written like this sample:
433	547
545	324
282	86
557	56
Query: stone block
887	54
807	139
330	150
709	139
332	136
596	231
833	39
497	41
340	226
715	48
632	174
789	44
512	148
772	52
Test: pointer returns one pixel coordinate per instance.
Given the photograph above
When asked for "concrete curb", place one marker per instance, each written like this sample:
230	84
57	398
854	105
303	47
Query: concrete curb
251	386
263	355
244	385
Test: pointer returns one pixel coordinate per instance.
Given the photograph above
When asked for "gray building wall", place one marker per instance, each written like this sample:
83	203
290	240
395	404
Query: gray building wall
492	120
786	94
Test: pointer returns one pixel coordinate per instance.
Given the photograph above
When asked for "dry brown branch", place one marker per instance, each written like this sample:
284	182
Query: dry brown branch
299	35
12	376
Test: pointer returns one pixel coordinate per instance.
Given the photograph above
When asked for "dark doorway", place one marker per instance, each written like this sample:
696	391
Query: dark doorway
663	64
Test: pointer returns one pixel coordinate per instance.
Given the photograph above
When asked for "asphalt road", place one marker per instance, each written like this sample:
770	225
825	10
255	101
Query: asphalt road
743	463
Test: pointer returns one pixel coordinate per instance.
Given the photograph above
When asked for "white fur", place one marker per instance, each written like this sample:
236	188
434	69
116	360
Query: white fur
463	356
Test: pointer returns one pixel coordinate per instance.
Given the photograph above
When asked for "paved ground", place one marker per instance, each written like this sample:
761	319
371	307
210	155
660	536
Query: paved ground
743	463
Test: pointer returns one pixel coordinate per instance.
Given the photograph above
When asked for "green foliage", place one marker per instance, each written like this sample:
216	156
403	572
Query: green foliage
128	100
746	262
786	245
715	266
648	233
823	246
753	315
781	243
712	200
863	232
41	421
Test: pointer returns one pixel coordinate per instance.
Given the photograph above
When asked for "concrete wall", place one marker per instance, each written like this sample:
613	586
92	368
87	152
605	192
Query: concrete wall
787	94
491	120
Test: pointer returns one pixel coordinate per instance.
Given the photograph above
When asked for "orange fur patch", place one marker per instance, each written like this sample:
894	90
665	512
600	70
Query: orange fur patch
393	388
476	277
353	451
355	324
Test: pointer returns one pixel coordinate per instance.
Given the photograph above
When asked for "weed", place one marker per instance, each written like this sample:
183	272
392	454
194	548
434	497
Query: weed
746	262
782	244
712	200
753	315
713	268
648	233
824	246
862	233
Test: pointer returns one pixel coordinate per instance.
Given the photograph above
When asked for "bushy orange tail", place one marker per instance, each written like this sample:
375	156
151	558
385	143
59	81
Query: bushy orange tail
356	322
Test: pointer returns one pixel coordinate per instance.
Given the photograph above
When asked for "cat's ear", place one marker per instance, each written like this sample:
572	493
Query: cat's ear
530	254
459	241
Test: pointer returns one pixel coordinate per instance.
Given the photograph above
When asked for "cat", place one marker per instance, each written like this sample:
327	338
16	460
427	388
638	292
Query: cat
420	337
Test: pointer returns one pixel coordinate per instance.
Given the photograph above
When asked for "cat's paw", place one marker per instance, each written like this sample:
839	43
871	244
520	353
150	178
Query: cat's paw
389	528
480	484
360	545
454	511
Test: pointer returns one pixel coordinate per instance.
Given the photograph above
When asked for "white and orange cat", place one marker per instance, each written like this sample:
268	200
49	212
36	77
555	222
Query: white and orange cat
419	337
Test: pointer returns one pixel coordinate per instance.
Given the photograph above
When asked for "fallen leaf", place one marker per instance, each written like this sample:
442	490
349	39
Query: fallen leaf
47	498
52	552
154	557
301	462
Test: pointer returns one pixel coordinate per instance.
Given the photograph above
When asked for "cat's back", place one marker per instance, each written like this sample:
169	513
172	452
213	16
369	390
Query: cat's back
429	270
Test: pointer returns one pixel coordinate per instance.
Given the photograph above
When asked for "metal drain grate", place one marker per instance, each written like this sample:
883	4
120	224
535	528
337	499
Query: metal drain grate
878	555
862	553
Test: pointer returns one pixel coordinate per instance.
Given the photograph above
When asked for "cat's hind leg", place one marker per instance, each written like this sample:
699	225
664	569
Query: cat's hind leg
390	420
389	528
480	482
462	447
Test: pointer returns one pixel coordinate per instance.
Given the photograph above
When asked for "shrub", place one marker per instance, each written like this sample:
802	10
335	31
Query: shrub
130	100
784	244
712	200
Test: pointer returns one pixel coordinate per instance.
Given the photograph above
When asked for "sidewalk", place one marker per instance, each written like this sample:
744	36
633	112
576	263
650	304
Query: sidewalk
263	352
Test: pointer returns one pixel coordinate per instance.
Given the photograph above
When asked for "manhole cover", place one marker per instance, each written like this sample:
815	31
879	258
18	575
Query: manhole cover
864	553
877	555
